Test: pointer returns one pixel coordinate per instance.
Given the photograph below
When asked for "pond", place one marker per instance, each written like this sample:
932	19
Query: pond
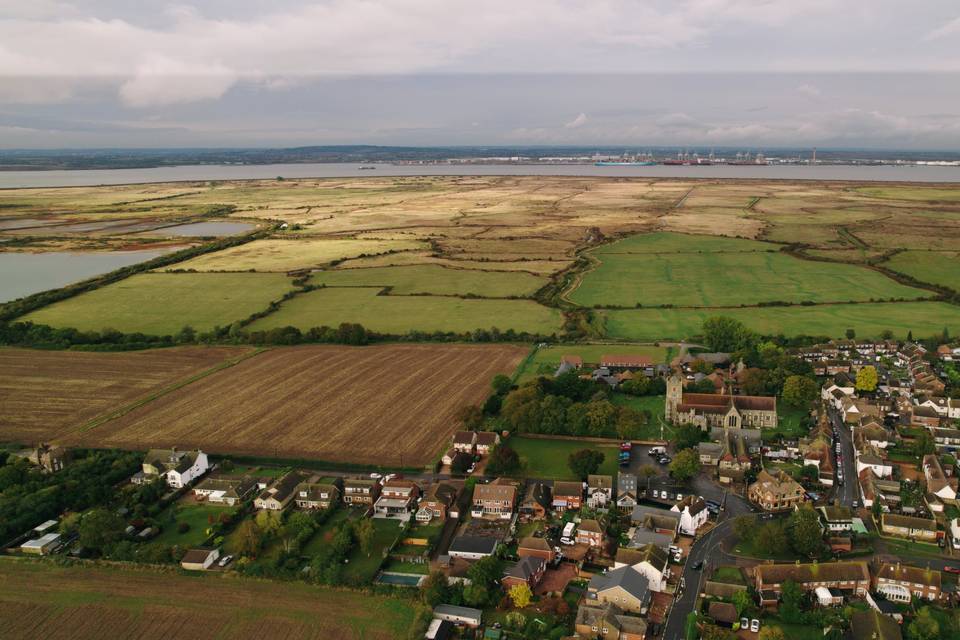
23	274
206	229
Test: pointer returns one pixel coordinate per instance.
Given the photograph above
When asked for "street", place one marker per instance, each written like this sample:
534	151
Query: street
849	490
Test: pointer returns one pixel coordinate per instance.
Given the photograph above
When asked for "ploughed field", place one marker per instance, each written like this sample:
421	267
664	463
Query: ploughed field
47	394
378	405
40	600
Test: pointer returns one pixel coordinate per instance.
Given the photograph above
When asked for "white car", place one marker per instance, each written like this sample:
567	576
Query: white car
679	497
225	560
744	623
567	541
754	625
375	476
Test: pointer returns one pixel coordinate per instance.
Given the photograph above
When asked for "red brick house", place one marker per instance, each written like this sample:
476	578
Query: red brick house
527	570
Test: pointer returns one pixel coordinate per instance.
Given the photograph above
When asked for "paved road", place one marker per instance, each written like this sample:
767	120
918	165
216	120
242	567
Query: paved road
849	490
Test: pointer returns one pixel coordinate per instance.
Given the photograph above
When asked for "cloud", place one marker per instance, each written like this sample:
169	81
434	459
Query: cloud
948	29
809	90
164	81
577	122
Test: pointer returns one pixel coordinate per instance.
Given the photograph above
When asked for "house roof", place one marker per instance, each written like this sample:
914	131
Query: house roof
627	578
779	484
906	573
599	481
590	525
283	487
534	544
873	625
494	491
473	544
171	459
316	490
626	482
197	556
834	513
817	572
908	522
454	610
626	361
576	361
723	612
487	438
563	488
650	553
525	568
464	437
693	503
232	487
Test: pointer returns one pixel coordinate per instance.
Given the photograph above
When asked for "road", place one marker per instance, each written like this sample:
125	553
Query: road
849	490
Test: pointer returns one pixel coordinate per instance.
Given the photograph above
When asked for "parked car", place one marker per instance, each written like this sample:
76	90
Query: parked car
679	497
754	625
951	569
744	622
225	560
375	476
626	446
655	451
567	541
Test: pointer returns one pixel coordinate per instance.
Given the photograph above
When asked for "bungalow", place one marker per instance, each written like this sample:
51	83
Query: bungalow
473	547
626	492
535	548
527	570
607	621
280	493
397	498
901	583
228	490
908	527
651	561
590	533
494	500
938	483
362	491
486	441
567	495
849	577
873	625
437	502
465	442
177	468
723	613
463	615
316	495
775	492
836	518
693	514
599	490
199	559
625	587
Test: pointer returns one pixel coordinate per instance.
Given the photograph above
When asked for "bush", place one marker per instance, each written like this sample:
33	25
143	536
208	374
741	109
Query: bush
183	527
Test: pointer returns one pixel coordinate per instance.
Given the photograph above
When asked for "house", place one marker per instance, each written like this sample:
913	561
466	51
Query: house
527	570
362	491
456	460
848	577
41	546
653	526
775	492
228	490
567	495
199	559
693	514
486	441
625	587
901	583
316	495
465	442
438	502
651	561
718	410
626	492
494	500
590	533
535	548
828	597
927	417
464	615
873	625
536	502
946	438
599	490
908	527
177	468
723	613
576	362
397	499
607	621
710	453
836	518
618	363
473	547
873	488
280	493
50	458
938	483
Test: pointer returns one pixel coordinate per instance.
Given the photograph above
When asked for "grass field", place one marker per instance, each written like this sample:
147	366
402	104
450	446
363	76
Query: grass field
196	515
673	243
937	267
163	303
729	279
548	458
45	394
868	320
653	404
41	600
403	314
546	359
379	405
436	280
289	255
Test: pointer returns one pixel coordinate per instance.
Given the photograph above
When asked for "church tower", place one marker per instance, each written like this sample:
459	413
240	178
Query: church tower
674	396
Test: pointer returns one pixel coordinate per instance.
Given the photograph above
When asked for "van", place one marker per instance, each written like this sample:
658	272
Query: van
654	451
568	530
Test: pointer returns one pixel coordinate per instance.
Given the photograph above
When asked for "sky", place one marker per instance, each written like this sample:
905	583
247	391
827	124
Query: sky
245	73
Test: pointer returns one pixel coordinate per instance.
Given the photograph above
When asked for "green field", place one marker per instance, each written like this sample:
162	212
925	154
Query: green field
403	314
653	404
163	303
729	279
671	243
429	278
868	320
546	360
936	267
548	458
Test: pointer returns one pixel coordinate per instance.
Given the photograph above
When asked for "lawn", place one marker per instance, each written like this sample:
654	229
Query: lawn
653	404
868	320
797	631
403	314
398	566
435	279
325	532
936	267
546	359
362	568
728	575
163	303
729	279
547	459
254	472
195	514
790	424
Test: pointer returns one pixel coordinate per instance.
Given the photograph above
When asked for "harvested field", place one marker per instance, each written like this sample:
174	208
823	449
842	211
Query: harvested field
46	394
367	405
41	600
435	279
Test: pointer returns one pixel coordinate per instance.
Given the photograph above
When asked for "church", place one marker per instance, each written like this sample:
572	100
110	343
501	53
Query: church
708	410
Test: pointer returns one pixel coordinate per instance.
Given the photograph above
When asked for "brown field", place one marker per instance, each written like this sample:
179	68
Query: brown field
368	405
40	600
45	394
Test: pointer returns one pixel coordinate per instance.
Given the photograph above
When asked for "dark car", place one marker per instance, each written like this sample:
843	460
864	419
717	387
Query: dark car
698	566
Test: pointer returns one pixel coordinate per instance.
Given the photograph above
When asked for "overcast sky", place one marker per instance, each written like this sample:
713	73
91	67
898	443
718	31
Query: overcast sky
116	73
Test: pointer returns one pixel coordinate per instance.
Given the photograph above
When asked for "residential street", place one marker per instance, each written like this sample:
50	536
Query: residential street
849	490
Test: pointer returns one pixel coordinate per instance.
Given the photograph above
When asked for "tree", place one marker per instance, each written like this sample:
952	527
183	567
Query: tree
799	391
268	522
629	423
685	465
600	416
771	539
434	589
248	538
100	528
923	444
476	595
501	384
687	436
810	473
722	333
647	471
886	334
867	379
521	595
744	526
851	334
792	597
503	461
924	626
806	536
471	416
585	462
365	531
754	382
741	600
772	633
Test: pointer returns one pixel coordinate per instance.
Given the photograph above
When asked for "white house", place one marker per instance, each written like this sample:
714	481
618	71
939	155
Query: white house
693	514
199	559
599	491
651	561
177	468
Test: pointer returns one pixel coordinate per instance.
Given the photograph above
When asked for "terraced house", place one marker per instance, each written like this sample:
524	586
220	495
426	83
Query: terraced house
852	578
901	583
909	527
707	410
